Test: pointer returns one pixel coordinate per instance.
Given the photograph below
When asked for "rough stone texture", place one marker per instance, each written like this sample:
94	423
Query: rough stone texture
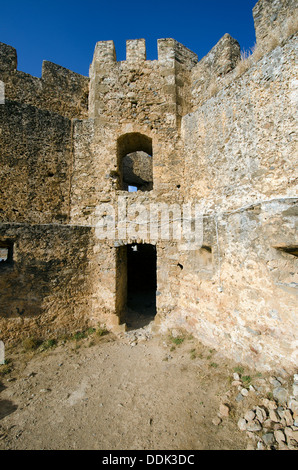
137	171
35	162
221	60
270	426
272	15
63	140
45	288
58	89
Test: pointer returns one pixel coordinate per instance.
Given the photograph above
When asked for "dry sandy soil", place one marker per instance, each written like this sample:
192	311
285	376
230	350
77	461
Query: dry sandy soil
118	393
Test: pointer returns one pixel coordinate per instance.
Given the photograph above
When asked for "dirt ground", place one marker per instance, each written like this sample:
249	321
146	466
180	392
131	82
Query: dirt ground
138	391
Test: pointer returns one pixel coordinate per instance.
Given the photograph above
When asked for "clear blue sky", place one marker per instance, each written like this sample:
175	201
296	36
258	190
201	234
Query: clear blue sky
66	31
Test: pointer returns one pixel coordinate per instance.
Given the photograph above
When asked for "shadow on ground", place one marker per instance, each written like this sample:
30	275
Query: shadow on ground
6	406
140	311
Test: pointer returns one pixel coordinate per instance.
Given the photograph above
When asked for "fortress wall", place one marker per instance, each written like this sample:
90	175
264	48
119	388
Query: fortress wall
95	195
35	164
59	90
239	146
240	150
207	75
124	91
240	295
134	96
96	167
273	17
46	290
179	62
275	22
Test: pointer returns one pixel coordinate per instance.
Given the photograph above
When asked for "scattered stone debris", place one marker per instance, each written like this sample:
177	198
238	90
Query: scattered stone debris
270	418
224	410
272	424
134	337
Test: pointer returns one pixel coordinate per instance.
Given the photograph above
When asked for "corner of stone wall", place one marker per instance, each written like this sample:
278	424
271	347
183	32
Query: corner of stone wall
8	58
56	75
59	90
221	60
170	50
175	63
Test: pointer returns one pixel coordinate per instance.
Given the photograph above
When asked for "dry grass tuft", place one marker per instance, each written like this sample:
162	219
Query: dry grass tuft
245	62
212	88
273	40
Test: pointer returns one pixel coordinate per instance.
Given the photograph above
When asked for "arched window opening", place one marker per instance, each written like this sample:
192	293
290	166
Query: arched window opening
135	162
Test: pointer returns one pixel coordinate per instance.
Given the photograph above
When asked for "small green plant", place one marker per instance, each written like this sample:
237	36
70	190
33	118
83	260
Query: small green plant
31	343
177	340
246	379
90	331
101	330
79	335
48	344
193	354
213	364
239	370
270	396
83	334
5	369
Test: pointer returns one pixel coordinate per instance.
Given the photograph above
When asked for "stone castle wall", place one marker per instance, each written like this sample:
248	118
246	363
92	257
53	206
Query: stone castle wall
273	16
58	90
216	136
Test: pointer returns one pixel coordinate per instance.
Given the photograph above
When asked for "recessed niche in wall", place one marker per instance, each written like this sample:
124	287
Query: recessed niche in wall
135	165
6	253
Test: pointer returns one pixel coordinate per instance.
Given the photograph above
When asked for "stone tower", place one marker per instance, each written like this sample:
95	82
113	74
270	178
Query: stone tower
165	187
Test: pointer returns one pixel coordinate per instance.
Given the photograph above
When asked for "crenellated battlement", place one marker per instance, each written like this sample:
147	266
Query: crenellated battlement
59	89
136	50
169	50
158	88
176	78
105	52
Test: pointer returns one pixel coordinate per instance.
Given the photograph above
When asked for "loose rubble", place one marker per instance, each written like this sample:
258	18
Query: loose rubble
134	337
272	424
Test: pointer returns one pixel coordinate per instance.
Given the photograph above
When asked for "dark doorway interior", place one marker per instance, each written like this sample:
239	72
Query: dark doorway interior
141	285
